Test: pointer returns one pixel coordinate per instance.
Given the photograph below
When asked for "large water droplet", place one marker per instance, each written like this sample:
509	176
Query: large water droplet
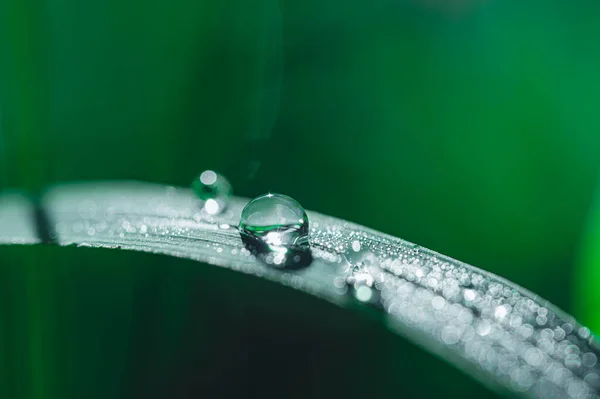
275	227
214	190
275	219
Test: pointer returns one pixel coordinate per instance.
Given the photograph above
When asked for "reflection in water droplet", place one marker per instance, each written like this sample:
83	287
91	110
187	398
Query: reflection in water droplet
275	227
214	190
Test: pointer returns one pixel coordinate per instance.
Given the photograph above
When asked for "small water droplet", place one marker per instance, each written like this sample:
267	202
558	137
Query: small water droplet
364	275
361	260
214	190
275	227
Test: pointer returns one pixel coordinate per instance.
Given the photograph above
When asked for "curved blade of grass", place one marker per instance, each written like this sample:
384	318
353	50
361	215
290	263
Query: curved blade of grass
497	332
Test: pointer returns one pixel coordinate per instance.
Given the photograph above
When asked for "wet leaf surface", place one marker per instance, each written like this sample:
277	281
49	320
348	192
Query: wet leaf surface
499	333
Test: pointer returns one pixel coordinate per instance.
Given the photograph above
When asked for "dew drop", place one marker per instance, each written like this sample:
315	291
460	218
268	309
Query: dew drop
275	219
364	275
362	259
214	190
275	227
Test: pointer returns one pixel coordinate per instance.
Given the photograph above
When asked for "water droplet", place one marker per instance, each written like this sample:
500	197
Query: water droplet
361	260
275	227
214	190
275	219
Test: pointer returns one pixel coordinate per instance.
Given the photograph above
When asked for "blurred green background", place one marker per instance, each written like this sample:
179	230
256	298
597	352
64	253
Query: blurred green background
469	127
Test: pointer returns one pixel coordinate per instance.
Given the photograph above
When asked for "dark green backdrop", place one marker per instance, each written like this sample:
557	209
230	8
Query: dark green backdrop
469	127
